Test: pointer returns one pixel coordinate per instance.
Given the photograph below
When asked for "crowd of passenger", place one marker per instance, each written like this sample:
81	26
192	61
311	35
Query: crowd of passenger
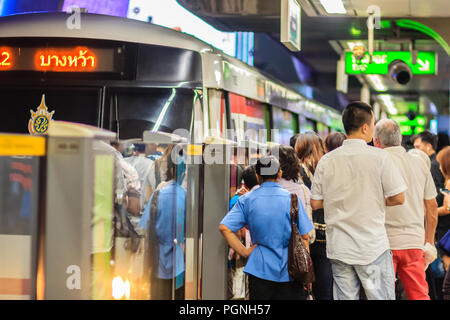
374	217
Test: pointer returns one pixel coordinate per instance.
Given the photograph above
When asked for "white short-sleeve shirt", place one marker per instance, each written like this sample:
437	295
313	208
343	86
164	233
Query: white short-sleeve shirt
405	223
353	182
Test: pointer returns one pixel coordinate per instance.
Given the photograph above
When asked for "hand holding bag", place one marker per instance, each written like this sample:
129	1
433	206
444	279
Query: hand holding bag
300	265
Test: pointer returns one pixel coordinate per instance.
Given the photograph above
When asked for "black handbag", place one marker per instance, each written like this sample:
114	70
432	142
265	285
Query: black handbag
300	265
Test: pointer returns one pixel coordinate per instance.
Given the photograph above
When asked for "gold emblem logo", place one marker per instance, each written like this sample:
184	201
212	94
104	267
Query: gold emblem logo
40	120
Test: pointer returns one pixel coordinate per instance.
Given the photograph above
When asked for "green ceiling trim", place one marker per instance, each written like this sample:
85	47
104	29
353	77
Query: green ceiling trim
410	24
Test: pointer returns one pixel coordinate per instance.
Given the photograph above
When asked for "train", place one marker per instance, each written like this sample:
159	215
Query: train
135	80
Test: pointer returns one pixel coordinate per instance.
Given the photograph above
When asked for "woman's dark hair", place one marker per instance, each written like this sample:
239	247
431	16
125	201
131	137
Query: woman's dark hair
309	149
249	176
171	168
289	163
355	115
267	167
334	140
293	140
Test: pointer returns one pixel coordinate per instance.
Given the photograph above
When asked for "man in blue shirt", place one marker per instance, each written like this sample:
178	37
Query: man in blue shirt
266	211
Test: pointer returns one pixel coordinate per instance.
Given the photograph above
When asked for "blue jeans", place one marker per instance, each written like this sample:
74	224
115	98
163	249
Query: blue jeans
377	279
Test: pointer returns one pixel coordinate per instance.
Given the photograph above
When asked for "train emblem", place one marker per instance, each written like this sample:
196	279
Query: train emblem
40	120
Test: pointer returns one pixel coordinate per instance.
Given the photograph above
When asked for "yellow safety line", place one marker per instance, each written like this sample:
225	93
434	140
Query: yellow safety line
19	145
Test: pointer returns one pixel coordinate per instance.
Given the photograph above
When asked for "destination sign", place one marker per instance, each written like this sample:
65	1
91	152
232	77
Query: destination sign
57	59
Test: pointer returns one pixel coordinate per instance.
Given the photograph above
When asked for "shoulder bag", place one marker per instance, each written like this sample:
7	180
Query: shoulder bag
300	265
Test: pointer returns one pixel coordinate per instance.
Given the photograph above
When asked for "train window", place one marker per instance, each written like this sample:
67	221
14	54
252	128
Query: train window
69	104
322	130
284	124
306	124
158	109
217	114
249	118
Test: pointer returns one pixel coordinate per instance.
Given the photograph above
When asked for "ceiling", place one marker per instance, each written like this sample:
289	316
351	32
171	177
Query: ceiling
392	8
324	36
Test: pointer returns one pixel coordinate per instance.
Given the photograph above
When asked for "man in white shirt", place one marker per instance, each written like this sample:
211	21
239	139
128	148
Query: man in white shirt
354	183
405	223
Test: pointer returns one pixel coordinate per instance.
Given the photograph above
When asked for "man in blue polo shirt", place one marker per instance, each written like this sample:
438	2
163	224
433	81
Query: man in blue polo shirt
266	211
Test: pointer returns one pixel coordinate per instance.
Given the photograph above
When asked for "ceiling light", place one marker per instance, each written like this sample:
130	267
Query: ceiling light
333	6
376	82
388	103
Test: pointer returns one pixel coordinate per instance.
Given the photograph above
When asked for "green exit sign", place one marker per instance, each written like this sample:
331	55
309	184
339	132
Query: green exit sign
426	62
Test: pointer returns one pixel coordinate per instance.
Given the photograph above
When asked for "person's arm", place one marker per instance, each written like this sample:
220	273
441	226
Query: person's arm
316	204
395	200
317	194
443	211
392	182
431	220
304	224
148	193
234	242
133	203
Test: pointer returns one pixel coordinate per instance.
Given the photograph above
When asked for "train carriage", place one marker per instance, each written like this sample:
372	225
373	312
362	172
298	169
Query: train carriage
134	78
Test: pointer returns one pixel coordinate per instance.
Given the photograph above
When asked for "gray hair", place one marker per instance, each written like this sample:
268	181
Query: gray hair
388	132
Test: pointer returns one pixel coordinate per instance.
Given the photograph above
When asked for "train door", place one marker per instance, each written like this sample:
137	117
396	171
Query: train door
22	159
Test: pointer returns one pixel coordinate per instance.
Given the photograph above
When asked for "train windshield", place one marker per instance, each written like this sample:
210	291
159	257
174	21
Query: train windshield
20	104
157	109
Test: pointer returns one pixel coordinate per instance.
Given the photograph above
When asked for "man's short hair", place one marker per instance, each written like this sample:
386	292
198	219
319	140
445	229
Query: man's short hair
388	132
426	136
355	115
267	167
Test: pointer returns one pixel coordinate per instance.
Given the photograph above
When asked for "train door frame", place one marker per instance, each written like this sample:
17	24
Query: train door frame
215	206
70	150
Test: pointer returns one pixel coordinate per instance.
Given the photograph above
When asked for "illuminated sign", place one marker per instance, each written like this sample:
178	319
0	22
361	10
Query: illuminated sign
403	120
410	127
5	58
425	64
57	59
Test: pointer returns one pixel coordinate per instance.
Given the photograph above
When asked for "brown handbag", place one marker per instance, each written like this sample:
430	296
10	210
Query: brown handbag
300	265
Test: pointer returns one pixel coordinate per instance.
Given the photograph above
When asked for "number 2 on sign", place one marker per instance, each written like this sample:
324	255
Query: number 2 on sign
5	59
